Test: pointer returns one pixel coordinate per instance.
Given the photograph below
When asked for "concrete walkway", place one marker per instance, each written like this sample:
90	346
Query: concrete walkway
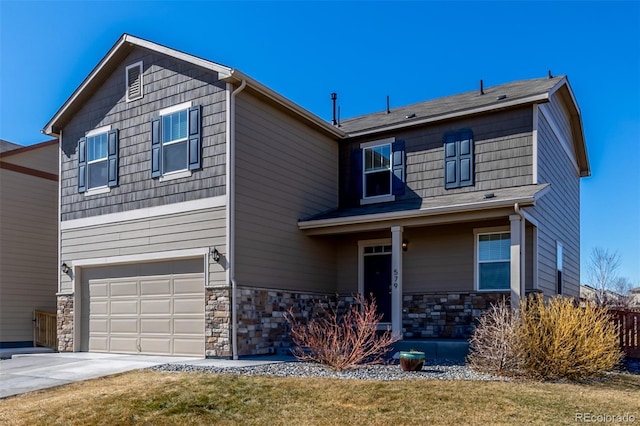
26	373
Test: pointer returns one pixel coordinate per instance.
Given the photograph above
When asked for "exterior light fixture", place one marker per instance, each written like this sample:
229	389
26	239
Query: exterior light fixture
65	268
405	245
215	254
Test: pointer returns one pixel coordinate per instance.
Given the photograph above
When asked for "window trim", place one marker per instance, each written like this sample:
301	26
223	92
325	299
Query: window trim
175	174
102	189
384	197
127	85
476	255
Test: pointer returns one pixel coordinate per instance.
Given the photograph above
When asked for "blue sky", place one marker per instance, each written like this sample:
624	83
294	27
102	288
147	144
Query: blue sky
411	51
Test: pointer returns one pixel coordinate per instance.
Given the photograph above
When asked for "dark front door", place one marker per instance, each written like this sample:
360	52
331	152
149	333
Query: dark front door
377	281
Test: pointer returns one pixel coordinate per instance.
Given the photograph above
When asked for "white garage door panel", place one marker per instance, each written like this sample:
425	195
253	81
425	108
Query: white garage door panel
155	288
124	289
188	326
160	315
155	307
159	326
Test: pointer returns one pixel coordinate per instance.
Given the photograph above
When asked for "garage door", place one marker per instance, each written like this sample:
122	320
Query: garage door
147	313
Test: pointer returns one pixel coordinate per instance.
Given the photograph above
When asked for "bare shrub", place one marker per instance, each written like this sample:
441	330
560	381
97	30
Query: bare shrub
493	347
341	340
560	340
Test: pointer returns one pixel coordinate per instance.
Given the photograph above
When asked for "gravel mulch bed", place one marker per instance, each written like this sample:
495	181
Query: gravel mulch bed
434	370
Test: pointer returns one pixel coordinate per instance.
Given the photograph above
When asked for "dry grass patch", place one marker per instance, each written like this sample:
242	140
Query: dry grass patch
147	397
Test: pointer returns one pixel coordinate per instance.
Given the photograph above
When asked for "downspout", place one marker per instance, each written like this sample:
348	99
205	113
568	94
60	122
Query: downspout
231	188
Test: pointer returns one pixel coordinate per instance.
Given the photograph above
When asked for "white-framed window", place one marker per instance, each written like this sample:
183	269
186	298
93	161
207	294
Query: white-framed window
97	161
493	261
377	170
133	75
175	142
559	266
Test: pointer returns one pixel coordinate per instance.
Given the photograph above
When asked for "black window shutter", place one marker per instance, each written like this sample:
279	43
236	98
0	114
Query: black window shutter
195	148
451	161
357	169
398	168
466	157
156	149
82	165
112	146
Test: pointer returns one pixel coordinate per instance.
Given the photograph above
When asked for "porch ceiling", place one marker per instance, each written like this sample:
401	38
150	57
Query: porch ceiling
461	207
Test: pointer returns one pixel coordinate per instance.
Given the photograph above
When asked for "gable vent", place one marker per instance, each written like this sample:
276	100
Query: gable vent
134	81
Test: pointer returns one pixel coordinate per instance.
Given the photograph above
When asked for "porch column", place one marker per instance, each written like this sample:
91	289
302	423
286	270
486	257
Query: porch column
517	259
396	281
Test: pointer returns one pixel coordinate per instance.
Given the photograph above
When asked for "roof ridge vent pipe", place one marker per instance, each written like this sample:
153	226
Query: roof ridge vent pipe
338	115
388	110
549	74
481	87
334	98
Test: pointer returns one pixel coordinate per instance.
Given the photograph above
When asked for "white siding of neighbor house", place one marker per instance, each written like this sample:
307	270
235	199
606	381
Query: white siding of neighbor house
285	171
180	231
28	243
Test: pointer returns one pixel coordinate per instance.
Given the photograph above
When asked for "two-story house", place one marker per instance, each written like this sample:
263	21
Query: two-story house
197	205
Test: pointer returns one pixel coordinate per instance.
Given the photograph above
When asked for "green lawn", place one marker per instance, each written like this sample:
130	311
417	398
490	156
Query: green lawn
157	398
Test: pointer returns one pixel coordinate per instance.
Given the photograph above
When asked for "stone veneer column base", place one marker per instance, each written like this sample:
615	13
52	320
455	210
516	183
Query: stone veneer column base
64	320
217	322
445	314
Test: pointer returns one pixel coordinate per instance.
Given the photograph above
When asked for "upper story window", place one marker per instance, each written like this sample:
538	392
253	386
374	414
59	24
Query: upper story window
382	170
458	159
175	141
377	171
494	261
98	160
134	81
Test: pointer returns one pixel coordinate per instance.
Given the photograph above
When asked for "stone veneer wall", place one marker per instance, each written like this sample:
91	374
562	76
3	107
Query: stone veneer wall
217	322
445	314
262	328
64	320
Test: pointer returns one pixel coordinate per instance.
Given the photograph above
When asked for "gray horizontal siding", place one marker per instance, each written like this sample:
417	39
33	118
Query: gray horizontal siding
28	250
558	213
503	155
284	171
182	231
167	82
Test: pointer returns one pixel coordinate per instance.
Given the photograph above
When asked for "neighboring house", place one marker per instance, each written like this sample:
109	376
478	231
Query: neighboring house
28	238
197	205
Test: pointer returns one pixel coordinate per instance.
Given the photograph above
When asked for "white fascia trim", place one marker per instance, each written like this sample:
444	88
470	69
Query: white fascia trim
98	131
175	108
143	257
406	214
543	97
187	206
130	40
237	76
544	110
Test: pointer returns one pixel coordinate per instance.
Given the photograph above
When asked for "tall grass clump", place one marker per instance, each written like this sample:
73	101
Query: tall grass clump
559	340
493	347
550	339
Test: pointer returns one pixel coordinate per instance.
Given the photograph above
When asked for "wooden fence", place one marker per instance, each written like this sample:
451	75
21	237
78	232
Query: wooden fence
45	330
628	323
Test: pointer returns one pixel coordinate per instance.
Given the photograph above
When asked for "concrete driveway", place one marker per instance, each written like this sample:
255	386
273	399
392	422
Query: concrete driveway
26	373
